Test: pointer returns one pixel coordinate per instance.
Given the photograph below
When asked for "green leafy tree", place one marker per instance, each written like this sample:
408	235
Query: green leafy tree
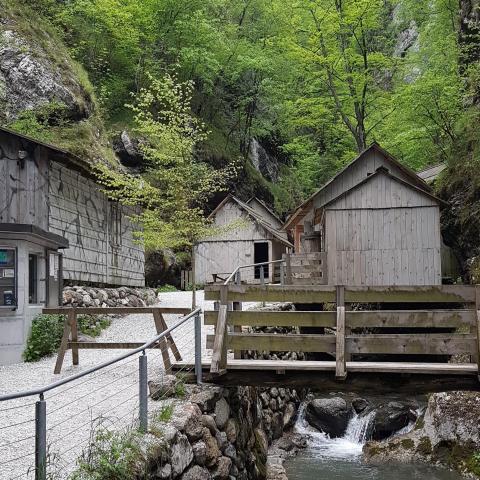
176	184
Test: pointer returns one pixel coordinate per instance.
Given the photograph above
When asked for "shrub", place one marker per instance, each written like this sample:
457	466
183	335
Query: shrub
47	330
44	338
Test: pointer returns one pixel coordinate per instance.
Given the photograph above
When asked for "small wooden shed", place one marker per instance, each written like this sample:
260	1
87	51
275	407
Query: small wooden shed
375	223
248	232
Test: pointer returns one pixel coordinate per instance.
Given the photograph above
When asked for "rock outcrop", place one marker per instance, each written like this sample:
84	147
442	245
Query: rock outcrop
36	71
447	434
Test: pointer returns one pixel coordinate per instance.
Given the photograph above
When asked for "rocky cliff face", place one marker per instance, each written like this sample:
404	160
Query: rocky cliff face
35	70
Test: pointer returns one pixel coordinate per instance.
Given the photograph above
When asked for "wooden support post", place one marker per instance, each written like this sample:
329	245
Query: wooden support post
67	327
72	319
162	343
288	268
161	326
219	356
282	274
237	307
340	367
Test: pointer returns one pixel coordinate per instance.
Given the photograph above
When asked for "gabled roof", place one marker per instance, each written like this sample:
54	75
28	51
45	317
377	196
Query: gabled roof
280	235
267	209
384	171
431	173
301	211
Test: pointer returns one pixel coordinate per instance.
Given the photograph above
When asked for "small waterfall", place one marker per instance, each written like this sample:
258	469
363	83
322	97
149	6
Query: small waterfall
358	429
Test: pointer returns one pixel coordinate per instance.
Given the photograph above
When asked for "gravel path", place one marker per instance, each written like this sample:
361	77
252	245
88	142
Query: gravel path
110	395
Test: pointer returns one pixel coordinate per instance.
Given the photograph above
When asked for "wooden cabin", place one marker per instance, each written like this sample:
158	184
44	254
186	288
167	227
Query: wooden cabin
56	226
247	233
375	223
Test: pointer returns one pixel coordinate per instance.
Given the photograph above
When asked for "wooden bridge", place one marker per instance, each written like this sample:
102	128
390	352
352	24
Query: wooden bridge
365	331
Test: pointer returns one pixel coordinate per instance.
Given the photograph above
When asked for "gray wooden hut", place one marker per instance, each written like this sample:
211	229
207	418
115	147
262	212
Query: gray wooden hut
375	223
56	225
247	233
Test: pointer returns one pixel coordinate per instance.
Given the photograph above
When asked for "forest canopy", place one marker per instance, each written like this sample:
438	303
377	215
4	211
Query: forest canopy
314	81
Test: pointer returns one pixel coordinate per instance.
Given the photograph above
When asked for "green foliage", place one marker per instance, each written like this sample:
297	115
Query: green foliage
165	413
110	456
47	330
45	336
176	185
166	288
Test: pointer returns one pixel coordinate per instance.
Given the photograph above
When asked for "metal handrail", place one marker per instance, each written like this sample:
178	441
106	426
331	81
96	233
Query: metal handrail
41	390
232	275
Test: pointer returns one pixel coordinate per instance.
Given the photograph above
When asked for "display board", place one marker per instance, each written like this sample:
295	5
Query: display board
8	277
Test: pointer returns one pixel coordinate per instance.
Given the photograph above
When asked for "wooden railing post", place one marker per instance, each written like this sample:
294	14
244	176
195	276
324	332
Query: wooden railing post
72	318
288	268
341	366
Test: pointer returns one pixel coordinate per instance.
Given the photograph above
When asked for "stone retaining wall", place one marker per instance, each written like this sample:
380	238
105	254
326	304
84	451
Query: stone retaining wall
108	297
224	433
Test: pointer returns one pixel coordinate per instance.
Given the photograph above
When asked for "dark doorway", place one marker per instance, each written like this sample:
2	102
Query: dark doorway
261	255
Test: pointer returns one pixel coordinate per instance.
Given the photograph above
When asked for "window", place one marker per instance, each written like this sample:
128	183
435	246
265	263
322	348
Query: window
32	278
8	277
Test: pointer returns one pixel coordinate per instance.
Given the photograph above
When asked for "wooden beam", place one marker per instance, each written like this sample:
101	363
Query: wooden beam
219	346
397	294
72	319
353	367
161	326
281	343
254	318
412	344
108	345
375	383
411	318
115	310
341	368
63	346
274	293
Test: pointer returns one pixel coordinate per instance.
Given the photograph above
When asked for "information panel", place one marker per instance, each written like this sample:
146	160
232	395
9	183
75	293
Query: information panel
8	277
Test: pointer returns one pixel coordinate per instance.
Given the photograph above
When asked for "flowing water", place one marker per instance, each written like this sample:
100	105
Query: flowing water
341	458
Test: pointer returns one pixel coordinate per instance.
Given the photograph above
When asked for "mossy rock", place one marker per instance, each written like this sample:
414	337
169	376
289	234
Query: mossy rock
424	447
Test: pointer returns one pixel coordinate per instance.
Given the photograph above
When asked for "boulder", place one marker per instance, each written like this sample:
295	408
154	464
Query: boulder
222	412
329	415
164	472
231	429
181	455
206	398
289	415
212	450
200	453
188	420
222	470
209	422
359	404
163	388
389	419
196	473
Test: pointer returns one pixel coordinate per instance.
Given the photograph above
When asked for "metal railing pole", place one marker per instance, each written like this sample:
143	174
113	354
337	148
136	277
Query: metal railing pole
143	392
41	439
198	348
238	279
262	275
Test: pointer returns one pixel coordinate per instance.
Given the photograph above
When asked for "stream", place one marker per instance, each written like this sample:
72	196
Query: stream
341	458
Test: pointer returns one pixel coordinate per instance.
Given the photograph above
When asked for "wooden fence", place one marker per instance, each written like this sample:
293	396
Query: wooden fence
453	329
70	331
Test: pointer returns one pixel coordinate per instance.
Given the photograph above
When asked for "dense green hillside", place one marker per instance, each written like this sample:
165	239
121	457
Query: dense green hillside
293	89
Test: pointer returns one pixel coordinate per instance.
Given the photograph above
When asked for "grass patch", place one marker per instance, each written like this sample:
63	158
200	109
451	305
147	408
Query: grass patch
165	413
110	456
166	288
47	330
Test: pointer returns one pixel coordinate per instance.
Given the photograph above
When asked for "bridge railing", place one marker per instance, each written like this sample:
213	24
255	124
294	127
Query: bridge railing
442	321
40	442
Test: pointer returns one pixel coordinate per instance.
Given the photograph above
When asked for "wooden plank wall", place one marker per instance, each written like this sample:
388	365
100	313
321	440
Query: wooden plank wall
80	212
23	184
383	233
